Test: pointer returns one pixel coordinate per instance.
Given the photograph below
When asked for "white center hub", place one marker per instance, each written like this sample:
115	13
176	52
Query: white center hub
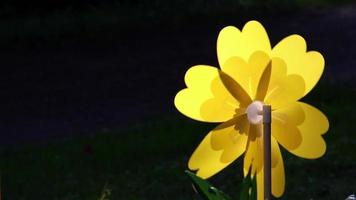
254	112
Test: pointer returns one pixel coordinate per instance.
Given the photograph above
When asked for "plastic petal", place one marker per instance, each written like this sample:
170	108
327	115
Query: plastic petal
235	89
249	154
253	157
309	65
205	98
313	127
218	149
232	140
278	175
310	122
260	183
283	89
235	43
247	73
285	130
263	83
255	152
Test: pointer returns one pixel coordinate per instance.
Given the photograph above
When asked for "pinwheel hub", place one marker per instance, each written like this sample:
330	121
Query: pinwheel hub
254	112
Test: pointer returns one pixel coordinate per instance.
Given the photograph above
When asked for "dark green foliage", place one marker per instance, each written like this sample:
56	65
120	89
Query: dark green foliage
205	189
248	188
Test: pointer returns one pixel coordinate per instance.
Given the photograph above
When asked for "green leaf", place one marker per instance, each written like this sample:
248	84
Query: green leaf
245	187
205	189
248	188
253	194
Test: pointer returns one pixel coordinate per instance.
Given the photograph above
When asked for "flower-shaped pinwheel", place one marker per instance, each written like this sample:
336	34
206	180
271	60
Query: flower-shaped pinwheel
252	74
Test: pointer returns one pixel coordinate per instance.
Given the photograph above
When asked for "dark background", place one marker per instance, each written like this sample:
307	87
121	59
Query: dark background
69	67
76	69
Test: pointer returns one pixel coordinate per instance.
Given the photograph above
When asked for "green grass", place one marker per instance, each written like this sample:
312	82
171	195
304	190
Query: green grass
148	161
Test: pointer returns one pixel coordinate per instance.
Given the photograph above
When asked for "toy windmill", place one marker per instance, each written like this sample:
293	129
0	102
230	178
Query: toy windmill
254	95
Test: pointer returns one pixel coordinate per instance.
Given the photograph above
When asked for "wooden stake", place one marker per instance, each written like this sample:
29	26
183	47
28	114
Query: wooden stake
267	150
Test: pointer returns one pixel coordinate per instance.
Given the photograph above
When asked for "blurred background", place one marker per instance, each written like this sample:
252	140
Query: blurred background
87	89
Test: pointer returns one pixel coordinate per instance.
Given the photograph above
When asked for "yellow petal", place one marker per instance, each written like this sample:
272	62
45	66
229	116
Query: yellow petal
310	122
283	89
278	176
277	173
218	149
274	153
235	89
249	154
264	80
260	185
284	127
309	65
263	83
259	152
231	140
247	73
258	159
259	156
314	126
206	98
235	43
255	152
253	159
206	160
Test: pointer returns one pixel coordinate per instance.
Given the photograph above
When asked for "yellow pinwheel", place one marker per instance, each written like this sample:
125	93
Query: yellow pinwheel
252	74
